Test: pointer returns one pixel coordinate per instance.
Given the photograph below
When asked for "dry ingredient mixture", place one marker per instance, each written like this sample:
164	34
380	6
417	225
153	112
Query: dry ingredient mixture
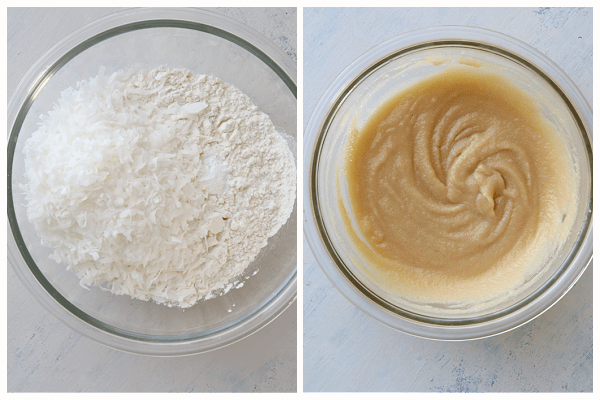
159	184
459	188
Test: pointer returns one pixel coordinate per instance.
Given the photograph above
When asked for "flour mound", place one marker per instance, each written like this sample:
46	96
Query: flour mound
160	184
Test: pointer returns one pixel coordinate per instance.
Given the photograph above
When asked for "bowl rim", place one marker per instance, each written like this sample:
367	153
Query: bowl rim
18	256
316	234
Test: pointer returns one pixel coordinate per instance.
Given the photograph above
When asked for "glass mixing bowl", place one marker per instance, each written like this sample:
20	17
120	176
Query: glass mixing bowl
205	43
351	99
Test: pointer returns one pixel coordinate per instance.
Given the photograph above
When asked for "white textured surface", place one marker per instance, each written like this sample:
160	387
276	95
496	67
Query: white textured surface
43	355
344	349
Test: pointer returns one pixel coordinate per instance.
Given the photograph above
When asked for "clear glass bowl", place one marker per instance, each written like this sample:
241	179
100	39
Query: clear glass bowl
351	99
205	43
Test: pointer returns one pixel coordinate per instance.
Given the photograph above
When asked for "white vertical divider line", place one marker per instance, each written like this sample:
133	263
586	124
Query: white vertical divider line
299	191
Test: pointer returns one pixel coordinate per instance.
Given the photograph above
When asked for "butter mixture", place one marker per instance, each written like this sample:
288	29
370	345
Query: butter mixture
459	188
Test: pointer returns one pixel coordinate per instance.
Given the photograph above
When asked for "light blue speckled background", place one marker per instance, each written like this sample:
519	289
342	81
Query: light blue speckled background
344	349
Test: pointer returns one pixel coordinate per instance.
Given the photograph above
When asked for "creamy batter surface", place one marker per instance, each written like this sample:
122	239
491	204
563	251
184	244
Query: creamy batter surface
458	188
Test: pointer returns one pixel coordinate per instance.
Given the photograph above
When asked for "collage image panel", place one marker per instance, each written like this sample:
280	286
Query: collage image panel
152	204
447	200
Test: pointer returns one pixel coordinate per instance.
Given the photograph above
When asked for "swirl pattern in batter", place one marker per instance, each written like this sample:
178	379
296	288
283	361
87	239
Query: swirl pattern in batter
458	187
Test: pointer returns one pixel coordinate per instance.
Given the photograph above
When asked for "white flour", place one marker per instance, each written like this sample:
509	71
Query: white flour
161	185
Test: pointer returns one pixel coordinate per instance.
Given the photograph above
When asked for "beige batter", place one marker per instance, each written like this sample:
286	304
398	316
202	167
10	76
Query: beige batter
458	188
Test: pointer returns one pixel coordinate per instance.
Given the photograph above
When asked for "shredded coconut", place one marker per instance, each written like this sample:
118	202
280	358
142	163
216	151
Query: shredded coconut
160	184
